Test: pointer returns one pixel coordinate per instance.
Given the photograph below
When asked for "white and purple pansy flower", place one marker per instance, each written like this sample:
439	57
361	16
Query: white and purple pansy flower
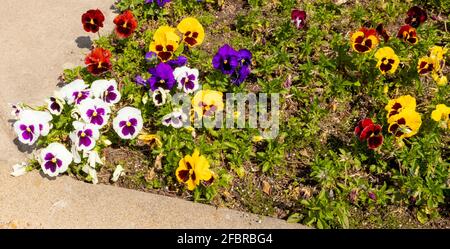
31	125
76	92
187	79
106	90
55	104
159	96
128	122
16	109
94	111
55	159
84	136
176	119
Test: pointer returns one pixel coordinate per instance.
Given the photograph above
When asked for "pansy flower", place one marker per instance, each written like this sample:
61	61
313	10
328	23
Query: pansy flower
370	132
187	79
165	42
175	119
160	3
226	59
55	104
192	30
395	106
361	125
298	17
442	115
437	57
16	109
178	62
27	131
31	125
408	34
416	16
388	61
151	56
126	24
207	102
55	159
162	76
92	20
159	96
75	92
94	111
128	122
193	170
106	90
84	136
98	61
405	124
241	75
425	65
364	40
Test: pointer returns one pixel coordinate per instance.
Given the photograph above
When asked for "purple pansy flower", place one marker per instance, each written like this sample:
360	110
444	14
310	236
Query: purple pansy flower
245	57
128	122
94	111
160	3
75	92
241	75
140	81
162	76
84	136
226	59
176	119
55	159
106	90
31	125
178	62
187	79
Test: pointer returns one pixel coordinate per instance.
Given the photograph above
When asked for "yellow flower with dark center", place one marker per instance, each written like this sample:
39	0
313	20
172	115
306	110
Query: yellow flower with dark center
165	42
442	115
405	124
388	61
150	139
437	57
364	40
207	102
400	104
193	170
425	65
192	30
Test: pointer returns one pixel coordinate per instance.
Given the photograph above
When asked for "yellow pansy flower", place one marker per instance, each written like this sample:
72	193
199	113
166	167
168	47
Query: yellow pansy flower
388	61
442	114
441	80
207	102
165	42
192	30
192	170
395	106
405	124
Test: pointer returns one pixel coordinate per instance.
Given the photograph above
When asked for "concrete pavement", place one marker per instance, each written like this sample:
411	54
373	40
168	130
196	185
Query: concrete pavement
40	38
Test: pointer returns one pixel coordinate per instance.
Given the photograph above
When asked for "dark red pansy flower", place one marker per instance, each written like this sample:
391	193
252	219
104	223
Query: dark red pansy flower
126	24
370	132
416	16
92	20
298	17
98	61
382	32
408	34
361	125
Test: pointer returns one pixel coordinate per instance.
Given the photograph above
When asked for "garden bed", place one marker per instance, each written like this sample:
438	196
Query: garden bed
332	71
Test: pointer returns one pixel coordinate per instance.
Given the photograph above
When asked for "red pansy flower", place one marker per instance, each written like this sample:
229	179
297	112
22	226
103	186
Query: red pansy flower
416	16
370	132
125	24
298	17
361	125
408	34
98	61
92	20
